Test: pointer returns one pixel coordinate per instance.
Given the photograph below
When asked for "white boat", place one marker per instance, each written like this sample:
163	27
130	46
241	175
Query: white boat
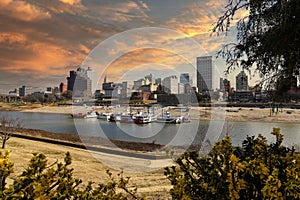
91	114
170	120
104	116
142	119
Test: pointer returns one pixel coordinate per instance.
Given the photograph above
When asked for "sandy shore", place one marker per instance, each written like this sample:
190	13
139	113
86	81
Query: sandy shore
202	113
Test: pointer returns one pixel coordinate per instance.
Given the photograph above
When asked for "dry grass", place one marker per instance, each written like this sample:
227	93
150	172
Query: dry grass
154	185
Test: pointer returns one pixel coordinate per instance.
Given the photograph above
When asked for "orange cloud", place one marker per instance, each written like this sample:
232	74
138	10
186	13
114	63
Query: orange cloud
22	10
12	38
72	2
143	60
24	56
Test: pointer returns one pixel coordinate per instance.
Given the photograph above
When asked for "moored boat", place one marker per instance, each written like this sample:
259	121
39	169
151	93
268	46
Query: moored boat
142	120
170	120
127	119
91	114
104	116
112	118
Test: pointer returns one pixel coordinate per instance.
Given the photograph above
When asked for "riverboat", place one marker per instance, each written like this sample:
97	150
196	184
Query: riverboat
91	114
127	119
104	116
170	120
142	120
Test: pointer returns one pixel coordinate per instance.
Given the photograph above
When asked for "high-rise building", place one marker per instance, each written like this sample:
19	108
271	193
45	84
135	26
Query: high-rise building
185	78
25	90
62	87
170	84
79	83
241	81
91	74
205	73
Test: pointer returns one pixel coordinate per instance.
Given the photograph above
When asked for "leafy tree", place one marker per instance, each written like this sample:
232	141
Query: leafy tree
43	181
68	94
50	98
257	170
268	36
30	98
8	125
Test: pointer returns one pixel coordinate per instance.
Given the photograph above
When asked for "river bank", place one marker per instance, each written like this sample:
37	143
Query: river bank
253	114
203	113
86	166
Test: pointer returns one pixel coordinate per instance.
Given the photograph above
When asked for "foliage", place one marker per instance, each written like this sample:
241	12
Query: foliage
41	181
68	94
30	98
257	170
268	36
8	125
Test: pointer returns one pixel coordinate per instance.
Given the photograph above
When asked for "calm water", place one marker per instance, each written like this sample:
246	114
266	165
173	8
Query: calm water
171	134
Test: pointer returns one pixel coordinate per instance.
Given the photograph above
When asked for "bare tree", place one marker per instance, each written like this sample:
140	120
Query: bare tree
8	125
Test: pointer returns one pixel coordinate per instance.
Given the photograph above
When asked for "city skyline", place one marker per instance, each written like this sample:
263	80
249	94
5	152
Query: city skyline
43	40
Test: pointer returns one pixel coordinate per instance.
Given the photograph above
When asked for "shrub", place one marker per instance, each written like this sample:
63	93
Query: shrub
41	181
257	170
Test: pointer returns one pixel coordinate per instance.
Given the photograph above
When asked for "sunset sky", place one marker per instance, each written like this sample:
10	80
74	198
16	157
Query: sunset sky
41	41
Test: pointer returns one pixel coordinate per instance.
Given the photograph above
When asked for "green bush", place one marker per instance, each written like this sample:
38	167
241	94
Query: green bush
257	170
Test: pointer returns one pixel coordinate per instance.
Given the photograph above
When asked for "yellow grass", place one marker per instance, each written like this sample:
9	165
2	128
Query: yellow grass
154	185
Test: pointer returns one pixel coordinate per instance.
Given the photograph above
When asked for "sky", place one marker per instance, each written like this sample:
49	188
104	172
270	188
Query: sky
41	41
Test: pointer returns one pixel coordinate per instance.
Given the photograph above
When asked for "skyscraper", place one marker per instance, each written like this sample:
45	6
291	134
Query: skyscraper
62	87
79	83
204	73
91	74
241	81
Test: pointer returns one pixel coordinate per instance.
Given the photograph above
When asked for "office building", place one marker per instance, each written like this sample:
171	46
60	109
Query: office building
158	81
91	74
185	78
181	88
25	90
205	73
62	88
79	83
241	81
170	85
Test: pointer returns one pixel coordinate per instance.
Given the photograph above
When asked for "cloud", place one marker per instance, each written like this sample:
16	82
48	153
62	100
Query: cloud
143	61
22	10
12	38
23	56
46	38
197	18
71	2
130	12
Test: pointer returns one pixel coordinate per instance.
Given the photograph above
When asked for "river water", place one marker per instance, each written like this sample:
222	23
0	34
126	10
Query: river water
166	134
